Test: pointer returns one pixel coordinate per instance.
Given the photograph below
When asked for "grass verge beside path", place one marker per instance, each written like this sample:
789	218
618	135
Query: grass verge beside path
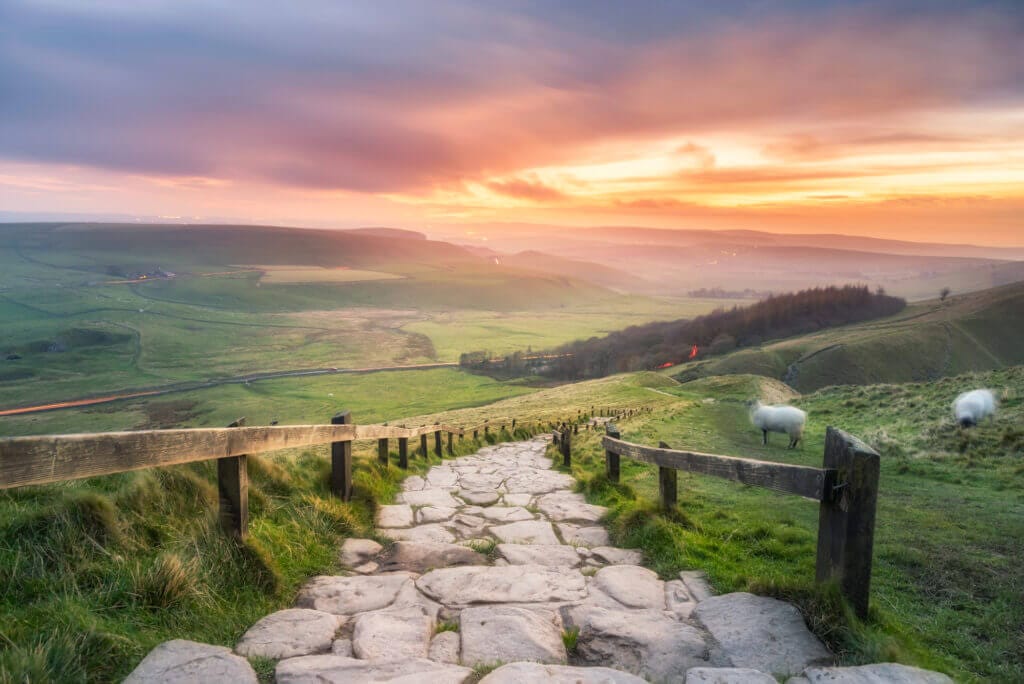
948	571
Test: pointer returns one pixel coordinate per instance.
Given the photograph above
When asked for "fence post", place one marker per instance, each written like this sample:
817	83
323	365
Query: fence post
437	443
611	461
451	452
846	519
487	429
423	446
476	434
667	482
382	450
403	452
233	488
341	460
567	447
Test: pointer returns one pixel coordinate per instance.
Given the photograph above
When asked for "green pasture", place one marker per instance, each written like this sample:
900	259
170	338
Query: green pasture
947	582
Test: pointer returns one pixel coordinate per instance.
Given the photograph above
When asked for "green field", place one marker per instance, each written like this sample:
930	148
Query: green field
927	341
77	330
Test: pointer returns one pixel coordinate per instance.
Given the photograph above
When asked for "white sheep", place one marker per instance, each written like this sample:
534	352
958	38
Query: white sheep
786	419
971	407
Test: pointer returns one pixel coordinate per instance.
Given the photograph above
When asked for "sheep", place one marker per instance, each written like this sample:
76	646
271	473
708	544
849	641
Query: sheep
786	419
971	407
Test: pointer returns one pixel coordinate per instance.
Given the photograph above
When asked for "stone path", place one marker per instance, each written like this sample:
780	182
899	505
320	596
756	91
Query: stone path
499	570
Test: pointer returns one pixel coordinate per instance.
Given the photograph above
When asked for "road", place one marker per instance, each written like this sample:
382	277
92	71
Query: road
190	386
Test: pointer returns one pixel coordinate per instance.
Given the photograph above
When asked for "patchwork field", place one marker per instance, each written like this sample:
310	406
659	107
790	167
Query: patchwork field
315	274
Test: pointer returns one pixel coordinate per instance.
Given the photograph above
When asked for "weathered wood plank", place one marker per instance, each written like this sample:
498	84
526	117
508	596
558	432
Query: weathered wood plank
803	481
233	492
846	519
341	460
53	458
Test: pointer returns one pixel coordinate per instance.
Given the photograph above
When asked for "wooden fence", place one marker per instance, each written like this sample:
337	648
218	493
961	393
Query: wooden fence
846	487
54	458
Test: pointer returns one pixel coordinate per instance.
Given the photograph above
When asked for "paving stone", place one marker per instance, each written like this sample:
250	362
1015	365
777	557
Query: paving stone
342	647
678	600
727	675
289	633
562	506
429	514
696	584
517	499
761	633
431	532
350	595
481	482
506	513
585	536
413	483
444	647
409	595
533	481
879	673
366	568
399	515
441	476
358	551
184	662
526	532
517	673
467	526
420	557
644	642
501	634
632	586
508	584
428	497
614	556
392	633
332	669
530	554
478	497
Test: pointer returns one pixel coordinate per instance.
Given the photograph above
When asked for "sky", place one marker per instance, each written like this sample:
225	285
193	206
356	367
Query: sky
890	119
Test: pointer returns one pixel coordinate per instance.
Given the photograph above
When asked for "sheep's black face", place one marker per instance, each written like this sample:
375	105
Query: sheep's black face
967	422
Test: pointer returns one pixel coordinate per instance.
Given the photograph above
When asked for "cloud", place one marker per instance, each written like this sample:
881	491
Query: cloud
526	189
345	97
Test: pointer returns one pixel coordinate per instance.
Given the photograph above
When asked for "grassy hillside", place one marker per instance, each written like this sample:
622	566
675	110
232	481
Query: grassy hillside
946	588
972	332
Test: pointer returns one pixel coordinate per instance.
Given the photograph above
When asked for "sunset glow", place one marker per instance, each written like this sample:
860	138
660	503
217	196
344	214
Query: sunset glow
900	119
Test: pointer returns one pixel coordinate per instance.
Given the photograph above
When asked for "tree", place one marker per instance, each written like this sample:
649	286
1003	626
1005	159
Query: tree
944	293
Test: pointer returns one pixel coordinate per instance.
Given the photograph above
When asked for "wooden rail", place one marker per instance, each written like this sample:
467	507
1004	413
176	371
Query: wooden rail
54	458
846	488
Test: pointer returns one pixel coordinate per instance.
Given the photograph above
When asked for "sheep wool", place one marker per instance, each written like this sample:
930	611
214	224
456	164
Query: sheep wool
785	419
973	406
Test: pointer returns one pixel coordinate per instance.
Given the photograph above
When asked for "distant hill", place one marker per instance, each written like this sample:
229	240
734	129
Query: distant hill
212	267
389	233
533	260
973	332
674	262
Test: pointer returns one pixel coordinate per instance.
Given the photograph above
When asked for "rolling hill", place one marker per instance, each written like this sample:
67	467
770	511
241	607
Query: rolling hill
973	332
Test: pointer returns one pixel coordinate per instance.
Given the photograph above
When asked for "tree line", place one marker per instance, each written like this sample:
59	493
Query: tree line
663	344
